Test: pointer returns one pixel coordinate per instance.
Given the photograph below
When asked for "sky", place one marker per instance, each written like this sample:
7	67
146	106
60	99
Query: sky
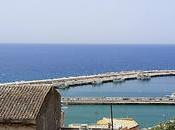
87	21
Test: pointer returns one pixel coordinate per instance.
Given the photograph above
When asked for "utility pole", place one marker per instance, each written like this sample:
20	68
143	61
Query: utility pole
111	117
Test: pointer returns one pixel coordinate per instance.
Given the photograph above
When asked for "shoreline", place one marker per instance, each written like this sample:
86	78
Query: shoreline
115	77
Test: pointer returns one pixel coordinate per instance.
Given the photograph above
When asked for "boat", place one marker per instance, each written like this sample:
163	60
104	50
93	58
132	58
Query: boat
172	95
118	80
97	82
142	76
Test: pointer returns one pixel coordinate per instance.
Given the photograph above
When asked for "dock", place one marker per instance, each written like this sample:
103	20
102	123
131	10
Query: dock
118	100
115	77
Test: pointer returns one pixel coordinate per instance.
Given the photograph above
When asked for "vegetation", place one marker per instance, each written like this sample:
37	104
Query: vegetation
170	125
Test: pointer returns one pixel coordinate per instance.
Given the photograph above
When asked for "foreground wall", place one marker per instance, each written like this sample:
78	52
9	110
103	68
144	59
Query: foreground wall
50	114
16	127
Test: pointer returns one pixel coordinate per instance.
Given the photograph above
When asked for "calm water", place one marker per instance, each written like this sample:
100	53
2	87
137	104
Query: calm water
156	87
146	116
30	62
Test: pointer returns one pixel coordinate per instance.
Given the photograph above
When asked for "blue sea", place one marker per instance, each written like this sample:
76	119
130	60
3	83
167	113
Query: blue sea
35	61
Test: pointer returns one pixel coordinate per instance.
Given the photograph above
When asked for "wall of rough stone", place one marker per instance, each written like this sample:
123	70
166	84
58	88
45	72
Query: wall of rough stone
17	127
49	117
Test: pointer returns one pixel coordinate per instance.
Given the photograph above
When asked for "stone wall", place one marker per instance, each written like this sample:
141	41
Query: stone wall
50	114
17	127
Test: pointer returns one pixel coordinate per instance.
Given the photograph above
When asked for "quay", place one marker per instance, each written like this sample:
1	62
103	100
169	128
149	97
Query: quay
118	100
115	77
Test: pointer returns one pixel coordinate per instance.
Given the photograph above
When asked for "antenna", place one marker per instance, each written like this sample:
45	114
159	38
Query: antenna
111	116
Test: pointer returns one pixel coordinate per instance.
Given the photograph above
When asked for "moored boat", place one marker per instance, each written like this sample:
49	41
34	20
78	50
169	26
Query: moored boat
172	95
118	80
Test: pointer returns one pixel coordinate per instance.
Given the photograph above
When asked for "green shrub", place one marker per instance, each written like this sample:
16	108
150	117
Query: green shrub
170	125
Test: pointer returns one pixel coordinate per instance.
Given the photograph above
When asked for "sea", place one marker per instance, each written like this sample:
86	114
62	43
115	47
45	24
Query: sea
20	62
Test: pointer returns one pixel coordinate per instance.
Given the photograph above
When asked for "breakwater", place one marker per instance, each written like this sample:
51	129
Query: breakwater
118	100
98	79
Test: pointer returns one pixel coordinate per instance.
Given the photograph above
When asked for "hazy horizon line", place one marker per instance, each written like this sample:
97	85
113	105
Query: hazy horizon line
20	43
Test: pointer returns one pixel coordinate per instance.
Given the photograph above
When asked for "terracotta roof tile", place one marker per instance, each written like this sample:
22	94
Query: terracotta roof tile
21	102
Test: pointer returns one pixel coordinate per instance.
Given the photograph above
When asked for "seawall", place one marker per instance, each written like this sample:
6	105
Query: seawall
118	100
98	79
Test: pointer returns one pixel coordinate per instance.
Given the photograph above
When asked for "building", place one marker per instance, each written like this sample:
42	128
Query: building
119	123
29	107
105	124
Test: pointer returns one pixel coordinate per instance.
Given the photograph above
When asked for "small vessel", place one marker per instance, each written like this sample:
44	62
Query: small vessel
97	82
118	80
142	76
172	95
64	86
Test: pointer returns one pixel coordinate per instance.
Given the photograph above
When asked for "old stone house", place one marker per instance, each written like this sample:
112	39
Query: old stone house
29	107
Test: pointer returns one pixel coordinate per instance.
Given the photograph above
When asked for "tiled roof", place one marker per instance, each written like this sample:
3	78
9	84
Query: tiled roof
119	122
21	102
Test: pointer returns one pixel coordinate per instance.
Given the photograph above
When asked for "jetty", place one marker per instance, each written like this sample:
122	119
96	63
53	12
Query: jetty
118	100
115	77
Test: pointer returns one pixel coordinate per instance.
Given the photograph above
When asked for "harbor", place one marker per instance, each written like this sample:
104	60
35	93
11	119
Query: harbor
118	100
115	77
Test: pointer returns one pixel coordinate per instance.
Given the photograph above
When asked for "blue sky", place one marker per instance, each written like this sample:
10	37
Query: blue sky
87	21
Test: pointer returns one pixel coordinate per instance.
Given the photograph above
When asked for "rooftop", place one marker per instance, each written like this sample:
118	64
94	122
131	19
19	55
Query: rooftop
119	122
104	123
21	102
